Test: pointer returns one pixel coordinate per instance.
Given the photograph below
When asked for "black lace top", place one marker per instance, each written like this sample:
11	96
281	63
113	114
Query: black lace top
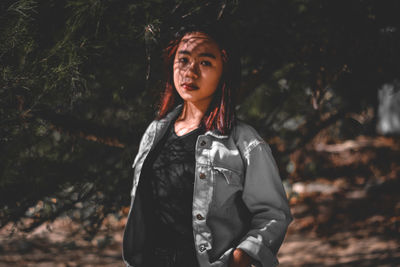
166	188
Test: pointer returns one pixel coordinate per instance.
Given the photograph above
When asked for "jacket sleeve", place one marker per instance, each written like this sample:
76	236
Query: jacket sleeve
265	198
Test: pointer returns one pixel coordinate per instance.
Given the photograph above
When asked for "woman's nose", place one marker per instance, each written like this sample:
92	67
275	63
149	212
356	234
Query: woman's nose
192	70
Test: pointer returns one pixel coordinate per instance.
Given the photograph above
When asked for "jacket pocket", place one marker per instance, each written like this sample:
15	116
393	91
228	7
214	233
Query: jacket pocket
231	177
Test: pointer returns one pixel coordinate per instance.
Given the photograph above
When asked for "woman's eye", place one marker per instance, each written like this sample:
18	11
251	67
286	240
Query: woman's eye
183	60
206	63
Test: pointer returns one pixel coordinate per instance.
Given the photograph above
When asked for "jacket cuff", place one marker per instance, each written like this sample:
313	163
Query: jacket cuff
258	251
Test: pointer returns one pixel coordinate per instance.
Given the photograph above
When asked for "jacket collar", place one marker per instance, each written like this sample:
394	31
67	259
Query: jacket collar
173	115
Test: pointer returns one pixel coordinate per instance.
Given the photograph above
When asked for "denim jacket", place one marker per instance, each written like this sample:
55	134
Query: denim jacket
238	199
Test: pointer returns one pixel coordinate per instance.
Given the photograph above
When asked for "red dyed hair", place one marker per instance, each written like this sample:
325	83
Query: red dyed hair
220	114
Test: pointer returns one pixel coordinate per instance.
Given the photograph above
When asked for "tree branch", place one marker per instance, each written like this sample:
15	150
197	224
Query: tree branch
85	129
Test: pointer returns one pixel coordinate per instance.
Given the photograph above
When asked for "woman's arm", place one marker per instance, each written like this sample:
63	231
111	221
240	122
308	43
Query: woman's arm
265	198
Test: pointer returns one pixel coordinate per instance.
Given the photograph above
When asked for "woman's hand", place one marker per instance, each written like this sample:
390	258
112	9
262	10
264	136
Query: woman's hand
240	258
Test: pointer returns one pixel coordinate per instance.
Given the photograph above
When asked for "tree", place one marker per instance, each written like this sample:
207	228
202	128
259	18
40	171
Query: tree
80	81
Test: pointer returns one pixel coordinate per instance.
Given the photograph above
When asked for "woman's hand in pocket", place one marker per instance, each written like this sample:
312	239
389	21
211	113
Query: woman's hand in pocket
240	258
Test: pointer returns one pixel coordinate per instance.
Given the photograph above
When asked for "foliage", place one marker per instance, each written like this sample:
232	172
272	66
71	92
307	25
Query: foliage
80	82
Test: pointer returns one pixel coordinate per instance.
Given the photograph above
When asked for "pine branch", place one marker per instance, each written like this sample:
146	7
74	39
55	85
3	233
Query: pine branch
86	129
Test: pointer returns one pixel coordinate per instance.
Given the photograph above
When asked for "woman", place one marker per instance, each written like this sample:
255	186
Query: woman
206	189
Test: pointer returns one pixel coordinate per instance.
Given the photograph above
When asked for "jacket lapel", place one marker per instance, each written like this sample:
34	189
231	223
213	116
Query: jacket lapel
163	124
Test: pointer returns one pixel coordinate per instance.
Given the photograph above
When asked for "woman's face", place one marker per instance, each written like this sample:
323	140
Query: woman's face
197	68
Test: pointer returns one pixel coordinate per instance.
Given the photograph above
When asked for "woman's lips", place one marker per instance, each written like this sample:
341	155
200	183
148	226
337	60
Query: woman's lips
189	86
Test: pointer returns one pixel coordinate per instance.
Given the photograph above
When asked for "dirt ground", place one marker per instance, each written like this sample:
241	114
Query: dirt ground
346	213
61	244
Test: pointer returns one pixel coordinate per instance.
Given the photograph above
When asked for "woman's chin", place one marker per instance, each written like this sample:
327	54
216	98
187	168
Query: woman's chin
189	96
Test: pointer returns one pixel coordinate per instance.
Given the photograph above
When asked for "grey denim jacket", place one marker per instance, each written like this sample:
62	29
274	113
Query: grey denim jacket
238	199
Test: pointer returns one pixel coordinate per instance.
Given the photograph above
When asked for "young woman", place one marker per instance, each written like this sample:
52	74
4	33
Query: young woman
206	189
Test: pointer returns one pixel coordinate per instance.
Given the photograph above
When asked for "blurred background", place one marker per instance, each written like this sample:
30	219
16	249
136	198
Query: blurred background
80	81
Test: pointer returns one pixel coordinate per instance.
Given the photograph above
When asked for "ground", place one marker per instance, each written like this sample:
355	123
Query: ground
346	213
61	244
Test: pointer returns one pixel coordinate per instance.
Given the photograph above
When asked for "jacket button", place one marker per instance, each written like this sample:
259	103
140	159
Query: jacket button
203	143
199	217
202	175
202	248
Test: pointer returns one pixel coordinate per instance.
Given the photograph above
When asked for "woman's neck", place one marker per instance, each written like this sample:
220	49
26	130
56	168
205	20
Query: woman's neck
190	118
192	113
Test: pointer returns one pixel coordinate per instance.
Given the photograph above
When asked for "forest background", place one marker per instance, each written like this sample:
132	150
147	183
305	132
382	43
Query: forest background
80	81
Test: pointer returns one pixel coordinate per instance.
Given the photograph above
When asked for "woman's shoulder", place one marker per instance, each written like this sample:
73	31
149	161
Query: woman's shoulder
246	136
150	127
148	133
244	130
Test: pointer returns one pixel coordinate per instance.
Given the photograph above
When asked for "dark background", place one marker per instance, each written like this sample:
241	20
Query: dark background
80	81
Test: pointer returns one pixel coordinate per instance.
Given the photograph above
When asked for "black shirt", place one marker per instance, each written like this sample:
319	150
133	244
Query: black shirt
167	190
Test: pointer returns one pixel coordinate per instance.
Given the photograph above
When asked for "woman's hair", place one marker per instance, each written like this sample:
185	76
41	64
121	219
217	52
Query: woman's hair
220	114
